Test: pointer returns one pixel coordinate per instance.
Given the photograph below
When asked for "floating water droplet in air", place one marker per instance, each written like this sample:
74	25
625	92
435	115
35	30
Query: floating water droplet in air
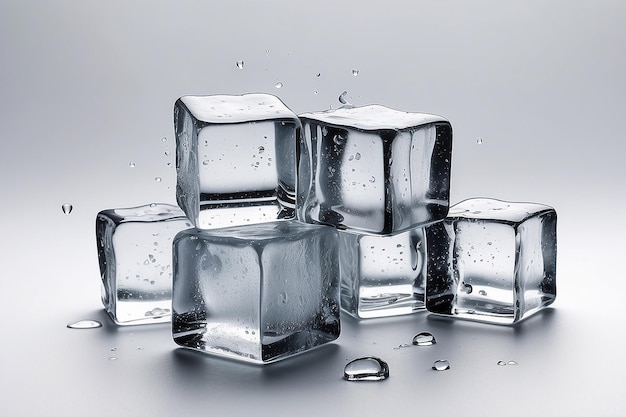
157	179
424	339
131	164
67	208
501	363
239	64
84	324
441	365
479	141
366	369
278	85
355	72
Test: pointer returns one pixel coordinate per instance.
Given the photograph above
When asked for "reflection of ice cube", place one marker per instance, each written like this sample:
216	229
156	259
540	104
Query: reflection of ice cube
235	159
135	254
257	293
372	169
382	275
492	261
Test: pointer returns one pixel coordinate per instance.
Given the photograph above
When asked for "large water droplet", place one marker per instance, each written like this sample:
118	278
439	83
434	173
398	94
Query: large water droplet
84	324
441	365
278	85
368	368
67	208
424	339
355	72
239	64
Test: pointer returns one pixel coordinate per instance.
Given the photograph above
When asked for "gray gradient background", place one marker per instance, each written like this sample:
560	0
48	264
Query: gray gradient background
88	87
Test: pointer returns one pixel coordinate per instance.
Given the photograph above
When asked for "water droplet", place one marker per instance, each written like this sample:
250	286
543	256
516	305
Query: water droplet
167	153
112	358
163	139
283	297
318	74
342	97
368	368
157	312
131	164
357	156
372	179
402	346
424	339
339	140
511	363
157	179
205	162
315	92
113	349
278	85
441	365
84	324
501	363
239	64
261	149
482	292
67	208
467	288
355	72
479	141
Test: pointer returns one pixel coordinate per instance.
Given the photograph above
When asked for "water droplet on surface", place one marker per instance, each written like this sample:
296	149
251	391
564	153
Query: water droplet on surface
283	297
357	156
342	97
467	288
479	141
441	365
84	324
131	164
113	349
67	208
511	363
339	140
205	162
112	358
278	85
261	149
372	179
157	179
157	312
424	339
482	292
501	363
355	72
315	92
318	75
163	139
239	64
402	346
366	369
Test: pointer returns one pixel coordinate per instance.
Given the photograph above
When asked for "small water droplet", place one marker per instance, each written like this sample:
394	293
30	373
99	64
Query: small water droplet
139	347
84	324
131	164
318	74
205	162
403	346
339	140
424	339
167	153
357	156
441	365
355	72
157	312
278	85
261	149
511	363
342	97
163	139
501	363
157	179
368	368
113	349
479	141
283	297
315	92
372	179
112	358
482	292
467	288
239	64
67	208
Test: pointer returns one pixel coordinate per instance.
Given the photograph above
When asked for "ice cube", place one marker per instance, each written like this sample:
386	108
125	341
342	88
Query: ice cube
135	256
235	159
257	293
382	275
492	261
373	169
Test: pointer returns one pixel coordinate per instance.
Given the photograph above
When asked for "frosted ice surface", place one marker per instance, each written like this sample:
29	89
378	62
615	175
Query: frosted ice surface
492	260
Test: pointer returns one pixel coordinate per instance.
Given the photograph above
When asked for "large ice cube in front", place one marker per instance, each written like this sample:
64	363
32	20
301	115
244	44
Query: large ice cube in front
373	169
382	275
235	159
135	255
257	293
492	261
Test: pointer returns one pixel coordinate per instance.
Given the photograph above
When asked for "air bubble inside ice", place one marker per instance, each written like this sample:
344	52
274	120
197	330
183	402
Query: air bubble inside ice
368	368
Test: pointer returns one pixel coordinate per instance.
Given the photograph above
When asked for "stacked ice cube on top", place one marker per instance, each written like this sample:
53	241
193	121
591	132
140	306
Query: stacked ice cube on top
235	156
373	169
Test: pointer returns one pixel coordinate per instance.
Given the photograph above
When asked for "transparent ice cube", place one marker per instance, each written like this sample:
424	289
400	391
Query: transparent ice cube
135	256
373	169
492	261
235	159
257	293
382	275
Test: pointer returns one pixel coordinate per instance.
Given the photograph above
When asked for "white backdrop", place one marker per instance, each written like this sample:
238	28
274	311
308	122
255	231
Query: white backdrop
88	87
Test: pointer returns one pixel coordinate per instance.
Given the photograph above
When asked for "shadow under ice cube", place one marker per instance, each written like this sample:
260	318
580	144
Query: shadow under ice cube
135	255
373	169
257	293
382	275
492	261
235	159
